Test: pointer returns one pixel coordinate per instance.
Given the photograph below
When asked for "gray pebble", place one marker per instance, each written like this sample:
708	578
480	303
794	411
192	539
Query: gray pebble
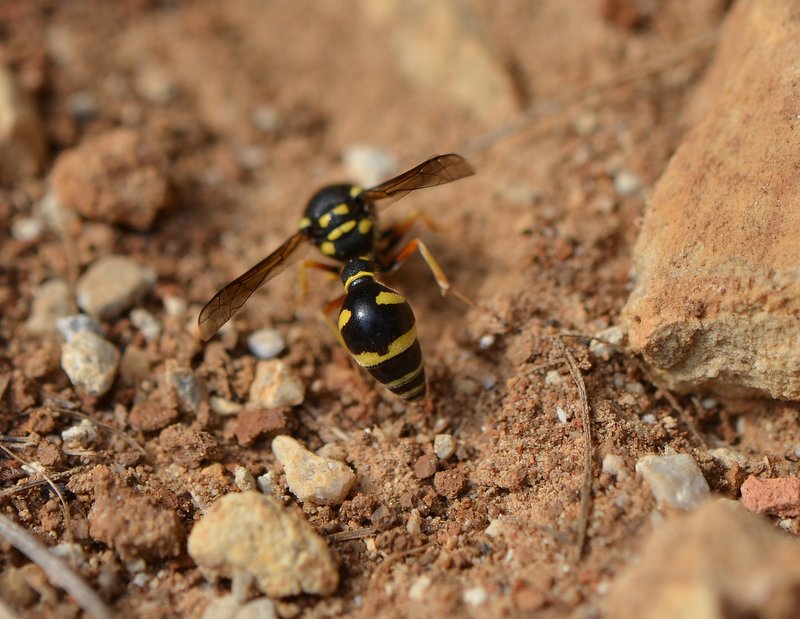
90	362
82	434
111	285
146	323
675	480
266	343
184	384
323	481
69	326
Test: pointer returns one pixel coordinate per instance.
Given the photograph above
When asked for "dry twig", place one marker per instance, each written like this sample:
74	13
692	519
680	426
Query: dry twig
586	487
59	573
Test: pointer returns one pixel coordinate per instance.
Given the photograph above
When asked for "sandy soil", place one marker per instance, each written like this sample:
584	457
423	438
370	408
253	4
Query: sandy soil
246	108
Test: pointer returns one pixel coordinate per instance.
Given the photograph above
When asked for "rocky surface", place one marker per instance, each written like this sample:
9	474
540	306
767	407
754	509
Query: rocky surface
253	533
720	561
717	295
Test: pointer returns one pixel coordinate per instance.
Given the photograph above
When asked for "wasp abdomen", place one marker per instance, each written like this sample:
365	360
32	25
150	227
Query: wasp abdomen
378	328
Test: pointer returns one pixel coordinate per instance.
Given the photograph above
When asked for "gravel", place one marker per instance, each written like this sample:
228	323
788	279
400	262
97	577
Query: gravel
310	477
275	385
90	362
675	480
266	343
111	285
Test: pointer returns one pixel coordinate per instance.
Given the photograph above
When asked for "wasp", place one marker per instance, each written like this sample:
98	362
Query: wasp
375	323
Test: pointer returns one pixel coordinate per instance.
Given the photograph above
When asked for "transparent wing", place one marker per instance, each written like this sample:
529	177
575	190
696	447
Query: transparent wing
435	171
232	297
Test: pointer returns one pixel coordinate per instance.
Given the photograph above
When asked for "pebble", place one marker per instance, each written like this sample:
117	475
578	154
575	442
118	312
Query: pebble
275	384
718	561
475	596
626	183
486	341
174	305
606	342
277	547
444	446
450	483
425	466
614	464
264	483
266	343
90	362
779	496
23	146
675	480
111	285
224	408
368	165
83	434
50	302
70	326
26	229
244	479
310	477
185	386
146	323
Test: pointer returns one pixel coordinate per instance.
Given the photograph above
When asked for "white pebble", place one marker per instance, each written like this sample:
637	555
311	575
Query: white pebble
444	446
146	323
553	378
418	588
562	415
626	183
264	483
27	229
486	341
90	362
675	480
310	477
266	343
223	407
614	464
82	434
275	384
243	479
174	305
475	596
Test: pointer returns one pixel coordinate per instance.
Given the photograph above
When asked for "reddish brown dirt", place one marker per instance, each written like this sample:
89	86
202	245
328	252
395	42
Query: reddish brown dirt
540	236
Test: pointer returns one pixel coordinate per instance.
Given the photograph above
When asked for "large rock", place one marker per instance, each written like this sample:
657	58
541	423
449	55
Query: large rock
717	294
718	562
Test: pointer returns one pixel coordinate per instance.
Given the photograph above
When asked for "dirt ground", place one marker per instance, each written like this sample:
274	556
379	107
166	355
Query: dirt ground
246	108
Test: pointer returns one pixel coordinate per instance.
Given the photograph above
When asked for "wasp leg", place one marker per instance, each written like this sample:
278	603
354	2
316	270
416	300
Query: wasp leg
445	286
390	237
313	264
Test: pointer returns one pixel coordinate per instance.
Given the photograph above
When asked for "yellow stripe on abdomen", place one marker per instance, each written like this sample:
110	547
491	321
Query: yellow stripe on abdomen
401	344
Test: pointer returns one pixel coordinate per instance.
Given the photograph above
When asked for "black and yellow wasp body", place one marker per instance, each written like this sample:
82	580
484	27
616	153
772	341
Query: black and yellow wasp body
341	220
378	328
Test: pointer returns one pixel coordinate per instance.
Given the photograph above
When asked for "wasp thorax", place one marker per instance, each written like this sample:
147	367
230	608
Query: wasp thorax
357	269
339	222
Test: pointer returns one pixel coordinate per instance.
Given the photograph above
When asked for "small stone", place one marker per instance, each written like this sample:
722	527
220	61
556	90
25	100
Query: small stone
675	480
779	496
244	479
90	362
224	408
23	146
154	84
450	483
50	302
188	447
265	483
310	477
332	451
425	466
111	285
606	342
614	465
718	561
260	608
475	596
112	177
252	424
277	547
69	326
82	434
486	341
174	305
276	385
444	446
27	229
185	386
146	323
266	343
153	414
368	165
626	183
